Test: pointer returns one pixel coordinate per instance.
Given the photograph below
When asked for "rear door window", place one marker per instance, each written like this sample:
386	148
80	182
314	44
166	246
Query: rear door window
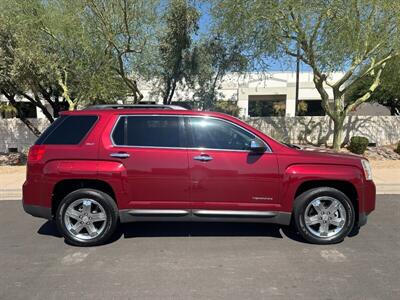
67	130
149	131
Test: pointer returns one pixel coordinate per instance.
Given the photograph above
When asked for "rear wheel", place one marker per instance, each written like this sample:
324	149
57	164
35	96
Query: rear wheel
87	217
323	215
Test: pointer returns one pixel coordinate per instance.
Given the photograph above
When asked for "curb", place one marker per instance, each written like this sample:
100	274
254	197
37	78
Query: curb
10	194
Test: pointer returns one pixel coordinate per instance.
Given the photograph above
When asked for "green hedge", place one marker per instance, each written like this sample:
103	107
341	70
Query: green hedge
358	144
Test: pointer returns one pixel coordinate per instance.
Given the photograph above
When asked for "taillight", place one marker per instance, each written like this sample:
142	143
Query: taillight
36	153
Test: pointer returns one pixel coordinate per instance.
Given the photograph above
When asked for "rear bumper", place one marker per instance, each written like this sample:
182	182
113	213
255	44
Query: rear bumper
31	203
38	211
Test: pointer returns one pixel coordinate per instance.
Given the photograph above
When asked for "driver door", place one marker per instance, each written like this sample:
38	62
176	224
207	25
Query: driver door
224	173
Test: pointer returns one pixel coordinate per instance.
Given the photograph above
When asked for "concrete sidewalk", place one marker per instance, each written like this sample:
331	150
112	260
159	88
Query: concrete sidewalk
386	176
11	180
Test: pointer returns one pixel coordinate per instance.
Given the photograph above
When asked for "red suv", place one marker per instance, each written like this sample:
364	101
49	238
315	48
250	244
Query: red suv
107	164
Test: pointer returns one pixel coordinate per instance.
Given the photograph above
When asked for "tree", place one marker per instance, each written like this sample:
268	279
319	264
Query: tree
49	56
388	92
214	58
10	85
78	61
358	37
128	29
175	46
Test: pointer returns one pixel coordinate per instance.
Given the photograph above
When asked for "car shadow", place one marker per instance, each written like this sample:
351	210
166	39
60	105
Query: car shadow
194	229
49	228
189	229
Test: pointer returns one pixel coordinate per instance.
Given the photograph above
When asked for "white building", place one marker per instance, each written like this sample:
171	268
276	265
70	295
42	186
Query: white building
257	94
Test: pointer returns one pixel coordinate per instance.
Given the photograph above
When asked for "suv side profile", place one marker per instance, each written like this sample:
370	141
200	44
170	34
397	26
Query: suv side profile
94	168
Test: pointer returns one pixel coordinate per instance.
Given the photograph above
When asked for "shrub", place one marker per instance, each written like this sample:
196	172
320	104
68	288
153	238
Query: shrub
358	144
397	150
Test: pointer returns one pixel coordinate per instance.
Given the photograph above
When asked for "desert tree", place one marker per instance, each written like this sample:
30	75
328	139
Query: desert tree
214	58
175	46
49	58
128	29
357	37
387	93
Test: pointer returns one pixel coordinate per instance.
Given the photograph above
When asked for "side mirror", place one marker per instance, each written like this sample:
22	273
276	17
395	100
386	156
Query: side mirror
257	146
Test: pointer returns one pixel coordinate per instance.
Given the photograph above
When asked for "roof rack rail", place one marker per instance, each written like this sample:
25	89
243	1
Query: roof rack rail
134	106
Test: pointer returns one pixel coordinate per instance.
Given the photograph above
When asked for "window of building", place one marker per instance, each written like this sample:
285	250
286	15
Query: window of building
267	106
147	102
184	104
310	108
23	109
62	106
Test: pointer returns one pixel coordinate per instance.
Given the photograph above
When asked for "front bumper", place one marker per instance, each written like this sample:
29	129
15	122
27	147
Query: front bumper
362	219
38	211
368	202
369	197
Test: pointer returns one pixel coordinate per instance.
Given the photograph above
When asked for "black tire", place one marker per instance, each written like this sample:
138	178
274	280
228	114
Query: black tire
110	209
299	208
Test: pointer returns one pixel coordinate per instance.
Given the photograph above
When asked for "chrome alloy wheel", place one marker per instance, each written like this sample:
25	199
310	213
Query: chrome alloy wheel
85	219
325	217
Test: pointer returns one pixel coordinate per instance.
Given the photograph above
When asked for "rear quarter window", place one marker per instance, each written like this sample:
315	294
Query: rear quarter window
67	130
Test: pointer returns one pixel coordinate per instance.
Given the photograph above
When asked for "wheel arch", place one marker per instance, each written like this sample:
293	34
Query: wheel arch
343	186
66	186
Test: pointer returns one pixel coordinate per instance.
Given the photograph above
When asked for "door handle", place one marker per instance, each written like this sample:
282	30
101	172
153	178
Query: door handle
120	155
203	157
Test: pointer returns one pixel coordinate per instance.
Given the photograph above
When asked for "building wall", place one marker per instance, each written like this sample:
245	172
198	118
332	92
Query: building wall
15	134
382	130
280	83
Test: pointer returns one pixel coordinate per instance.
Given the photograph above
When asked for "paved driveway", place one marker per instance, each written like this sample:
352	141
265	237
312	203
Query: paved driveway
202	261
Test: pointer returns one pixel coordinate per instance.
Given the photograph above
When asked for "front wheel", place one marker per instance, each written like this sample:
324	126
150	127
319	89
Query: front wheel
87	217
323	215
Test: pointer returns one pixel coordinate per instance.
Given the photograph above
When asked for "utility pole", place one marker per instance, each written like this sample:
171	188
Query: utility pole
297	79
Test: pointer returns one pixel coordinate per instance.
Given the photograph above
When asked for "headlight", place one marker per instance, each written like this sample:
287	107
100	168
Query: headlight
367	169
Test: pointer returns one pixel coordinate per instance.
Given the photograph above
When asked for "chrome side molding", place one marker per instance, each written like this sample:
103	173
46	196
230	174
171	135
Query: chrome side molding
160	212
233	213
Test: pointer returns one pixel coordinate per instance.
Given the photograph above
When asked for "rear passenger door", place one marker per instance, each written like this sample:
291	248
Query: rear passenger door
151	148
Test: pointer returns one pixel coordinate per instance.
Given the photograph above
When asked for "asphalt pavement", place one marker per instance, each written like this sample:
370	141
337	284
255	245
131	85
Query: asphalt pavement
199	261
